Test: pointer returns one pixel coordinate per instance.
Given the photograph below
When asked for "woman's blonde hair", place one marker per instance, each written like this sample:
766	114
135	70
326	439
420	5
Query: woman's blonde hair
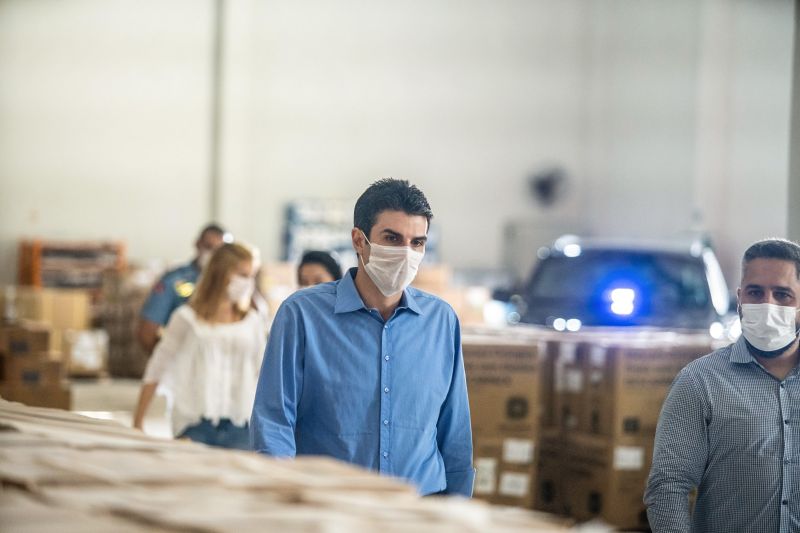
212	289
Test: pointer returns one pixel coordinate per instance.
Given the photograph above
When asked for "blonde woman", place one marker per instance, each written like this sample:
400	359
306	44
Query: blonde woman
208	359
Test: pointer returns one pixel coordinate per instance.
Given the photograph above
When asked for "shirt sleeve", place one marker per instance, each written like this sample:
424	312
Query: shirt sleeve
454	431
164	353
159	303
679	456
280	386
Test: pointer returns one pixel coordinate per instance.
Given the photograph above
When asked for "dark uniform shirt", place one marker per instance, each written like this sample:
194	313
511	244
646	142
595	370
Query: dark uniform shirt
172	290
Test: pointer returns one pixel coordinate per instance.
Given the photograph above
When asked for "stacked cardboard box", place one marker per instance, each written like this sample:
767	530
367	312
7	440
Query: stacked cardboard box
596	395
71	473
507	393
124	295
68	313
277	281
608	395
28	373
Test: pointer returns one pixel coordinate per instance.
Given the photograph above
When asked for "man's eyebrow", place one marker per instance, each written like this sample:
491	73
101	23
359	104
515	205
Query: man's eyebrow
423	238
771	287
782	288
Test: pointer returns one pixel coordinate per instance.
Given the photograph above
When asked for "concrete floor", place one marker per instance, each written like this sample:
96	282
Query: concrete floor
115	399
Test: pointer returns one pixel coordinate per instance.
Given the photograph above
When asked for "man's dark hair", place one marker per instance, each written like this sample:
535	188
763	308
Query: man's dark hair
774	248
389	195
213	227
322	258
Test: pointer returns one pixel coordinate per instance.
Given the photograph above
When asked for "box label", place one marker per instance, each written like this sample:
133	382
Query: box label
597	356
485	475
573	380
518	451
568	353
514	484
628	458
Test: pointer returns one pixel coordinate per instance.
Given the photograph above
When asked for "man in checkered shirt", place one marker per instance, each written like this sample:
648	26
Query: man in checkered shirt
730	425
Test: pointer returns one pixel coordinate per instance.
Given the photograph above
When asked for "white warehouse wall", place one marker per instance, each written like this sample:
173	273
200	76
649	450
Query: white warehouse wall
649	106
103	124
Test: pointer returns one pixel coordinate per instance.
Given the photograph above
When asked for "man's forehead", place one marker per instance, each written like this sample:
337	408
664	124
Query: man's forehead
401	223
770	271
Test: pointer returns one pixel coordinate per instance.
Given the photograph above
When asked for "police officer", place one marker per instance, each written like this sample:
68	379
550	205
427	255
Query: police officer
175	287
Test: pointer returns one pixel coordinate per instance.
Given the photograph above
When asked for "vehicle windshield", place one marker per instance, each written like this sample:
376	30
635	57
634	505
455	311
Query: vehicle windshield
620	287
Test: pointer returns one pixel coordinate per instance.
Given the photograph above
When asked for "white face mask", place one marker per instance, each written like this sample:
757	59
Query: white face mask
391	268
203	258
240	290
769	327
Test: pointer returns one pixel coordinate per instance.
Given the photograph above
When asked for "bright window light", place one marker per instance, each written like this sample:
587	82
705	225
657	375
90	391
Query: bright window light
559	324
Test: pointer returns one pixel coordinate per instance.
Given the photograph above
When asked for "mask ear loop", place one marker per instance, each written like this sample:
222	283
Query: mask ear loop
361	255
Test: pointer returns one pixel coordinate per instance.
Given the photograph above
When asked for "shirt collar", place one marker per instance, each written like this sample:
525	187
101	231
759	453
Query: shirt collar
348	299
740	353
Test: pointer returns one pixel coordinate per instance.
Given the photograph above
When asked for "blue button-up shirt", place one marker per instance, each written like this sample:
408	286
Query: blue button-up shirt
732	430
391	395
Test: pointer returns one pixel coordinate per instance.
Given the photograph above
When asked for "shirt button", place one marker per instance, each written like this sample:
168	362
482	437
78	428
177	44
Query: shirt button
386	390
385	422
785	502
786	421
786	461
386	357
385	455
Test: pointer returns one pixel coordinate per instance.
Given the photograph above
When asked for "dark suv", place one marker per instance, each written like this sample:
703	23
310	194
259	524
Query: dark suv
590	282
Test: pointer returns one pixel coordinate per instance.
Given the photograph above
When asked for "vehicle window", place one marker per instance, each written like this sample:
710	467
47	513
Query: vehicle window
659	284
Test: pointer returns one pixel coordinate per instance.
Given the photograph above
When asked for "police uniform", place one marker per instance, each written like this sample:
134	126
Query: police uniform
172	290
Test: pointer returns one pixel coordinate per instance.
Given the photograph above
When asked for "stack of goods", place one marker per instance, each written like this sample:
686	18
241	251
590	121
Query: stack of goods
277	281
507	383
598	444
123	297
68	315
468	302
28	373
71	473
565	422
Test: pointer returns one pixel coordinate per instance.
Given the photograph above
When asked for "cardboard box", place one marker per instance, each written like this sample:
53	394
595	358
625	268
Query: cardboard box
57	396
606	479
436	279
59	308
504	383
30	370
86	352
549	480
626	383
568	384
24	339
505	470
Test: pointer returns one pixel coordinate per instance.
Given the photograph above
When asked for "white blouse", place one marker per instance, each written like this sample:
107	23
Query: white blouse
208	370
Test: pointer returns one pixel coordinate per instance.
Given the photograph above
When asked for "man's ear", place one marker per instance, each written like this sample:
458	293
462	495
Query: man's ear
358	240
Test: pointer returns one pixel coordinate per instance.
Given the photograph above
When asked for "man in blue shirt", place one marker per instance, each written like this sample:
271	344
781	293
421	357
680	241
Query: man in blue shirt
175	287
730	425
367	369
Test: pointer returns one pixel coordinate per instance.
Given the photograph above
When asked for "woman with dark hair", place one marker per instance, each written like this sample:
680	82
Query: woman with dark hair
317	267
